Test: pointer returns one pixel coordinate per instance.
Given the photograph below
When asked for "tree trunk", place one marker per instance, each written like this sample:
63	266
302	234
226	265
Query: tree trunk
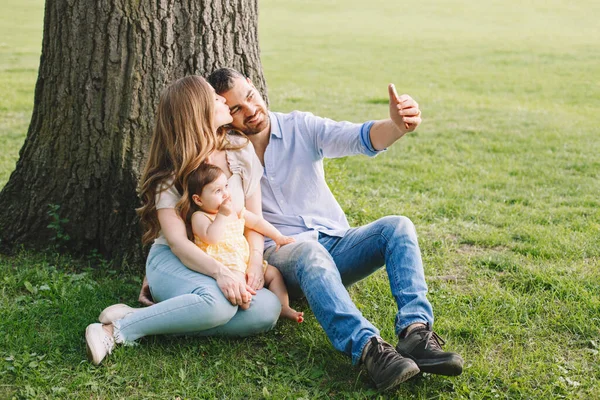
103	66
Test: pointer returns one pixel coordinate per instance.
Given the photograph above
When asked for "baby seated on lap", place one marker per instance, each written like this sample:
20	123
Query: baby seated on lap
219	230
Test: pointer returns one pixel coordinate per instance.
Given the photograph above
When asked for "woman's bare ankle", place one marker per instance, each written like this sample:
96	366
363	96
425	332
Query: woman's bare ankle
109	329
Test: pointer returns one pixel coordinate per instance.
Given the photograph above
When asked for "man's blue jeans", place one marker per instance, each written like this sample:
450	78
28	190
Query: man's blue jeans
322	270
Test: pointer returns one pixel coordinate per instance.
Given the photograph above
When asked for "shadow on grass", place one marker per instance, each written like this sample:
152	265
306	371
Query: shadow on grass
48	301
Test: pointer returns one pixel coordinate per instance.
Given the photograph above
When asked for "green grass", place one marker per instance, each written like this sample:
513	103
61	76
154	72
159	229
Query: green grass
501	180
20	48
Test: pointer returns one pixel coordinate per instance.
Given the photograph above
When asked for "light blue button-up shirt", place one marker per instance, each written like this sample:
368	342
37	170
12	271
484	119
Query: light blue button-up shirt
295	195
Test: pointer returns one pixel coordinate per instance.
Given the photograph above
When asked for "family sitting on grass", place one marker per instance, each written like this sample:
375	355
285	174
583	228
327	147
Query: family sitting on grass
218	161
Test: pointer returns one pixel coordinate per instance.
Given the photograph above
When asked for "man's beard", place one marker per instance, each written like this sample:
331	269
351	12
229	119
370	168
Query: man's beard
249	130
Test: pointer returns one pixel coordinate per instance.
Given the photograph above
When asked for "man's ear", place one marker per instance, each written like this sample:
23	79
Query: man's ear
197	200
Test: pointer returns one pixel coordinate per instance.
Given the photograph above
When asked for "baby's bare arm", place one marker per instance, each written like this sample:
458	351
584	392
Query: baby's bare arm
208	231
262	226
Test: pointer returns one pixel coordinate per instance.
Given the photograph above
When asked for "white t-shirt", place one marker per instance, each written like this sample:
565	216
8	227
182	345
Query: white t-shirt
246	172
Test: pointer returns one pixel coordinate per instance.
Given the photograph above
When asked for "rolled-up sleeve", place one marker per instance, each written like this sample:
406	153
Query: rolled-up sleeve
365	137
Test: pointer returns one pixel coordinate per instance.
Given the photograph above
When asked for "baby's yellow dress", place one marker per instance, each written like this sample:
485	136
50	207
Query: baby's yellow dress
233	250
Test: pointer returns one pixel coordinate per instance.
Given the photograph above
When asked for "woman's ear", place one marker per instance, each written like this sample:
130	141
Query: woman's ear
197	200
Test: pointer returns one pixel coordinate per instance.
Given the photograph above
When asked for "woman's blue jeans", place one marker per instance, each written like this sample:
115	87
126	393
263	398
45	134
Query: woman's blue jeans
191	303
322	270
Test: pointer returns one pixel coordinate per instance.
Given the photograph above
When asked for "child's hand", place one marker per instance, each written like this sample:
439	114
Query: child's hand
225	207
283	240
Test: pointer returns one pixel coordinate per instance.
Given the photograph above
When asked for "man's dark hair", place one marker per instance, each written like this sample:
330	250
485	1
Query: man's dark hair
222	79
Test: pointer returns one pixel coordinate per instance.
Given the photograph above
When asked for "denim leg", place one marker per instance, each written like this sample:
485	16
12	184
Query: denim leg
260	317
192	303
391	241
307	267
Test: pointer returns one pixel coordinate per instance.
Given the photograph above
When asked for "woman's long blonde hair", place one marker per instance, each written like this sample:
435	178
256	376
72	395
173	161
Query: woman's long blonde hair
184	136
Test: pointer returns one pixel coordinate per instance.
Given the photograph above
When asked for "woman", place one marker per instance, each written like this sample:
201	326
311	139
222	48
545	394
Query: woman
196	294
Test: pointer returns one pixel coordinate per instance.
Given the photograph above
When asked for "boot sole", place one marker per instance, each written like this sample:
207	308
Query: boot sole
447	368
452	366
406	375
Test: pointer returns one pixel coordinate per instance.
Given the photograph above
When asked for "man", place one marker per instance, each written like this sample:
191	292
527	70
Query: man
328	254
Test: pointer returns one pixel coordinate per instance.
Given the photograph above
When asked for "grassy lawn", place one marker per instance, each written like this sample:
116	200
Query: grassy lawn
502	181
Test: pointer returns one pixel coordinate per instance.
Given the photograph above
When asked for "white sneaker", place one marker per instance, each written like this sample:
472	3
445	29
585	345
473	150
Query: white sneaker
115	312
98	342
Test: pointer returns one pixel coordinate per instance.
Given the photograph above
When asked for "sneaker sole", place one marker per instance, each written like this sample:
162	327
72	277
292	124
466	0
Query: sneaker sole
103	317
90	353
406	375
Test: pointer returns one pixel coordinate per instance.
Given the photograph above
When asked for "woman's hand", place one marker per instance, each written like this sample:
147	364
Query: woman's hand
255	277
235	288
145	296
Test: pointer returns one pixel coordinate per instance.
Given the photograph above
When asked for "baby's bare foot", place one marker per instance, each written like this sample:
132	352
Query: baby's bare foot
290	313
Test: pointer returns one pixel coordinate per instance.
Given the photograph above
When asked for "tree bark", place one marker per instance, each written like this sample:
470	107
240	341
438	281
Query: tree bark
102	68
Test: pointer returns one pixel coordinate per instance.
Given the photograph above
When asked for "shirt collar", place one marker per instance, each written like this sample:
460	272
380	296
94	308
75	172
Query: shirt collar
275	128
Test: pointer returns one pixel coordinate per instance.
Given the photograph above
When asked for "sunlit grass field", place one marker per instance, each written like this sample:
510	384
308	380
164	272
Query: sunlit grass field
502	180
